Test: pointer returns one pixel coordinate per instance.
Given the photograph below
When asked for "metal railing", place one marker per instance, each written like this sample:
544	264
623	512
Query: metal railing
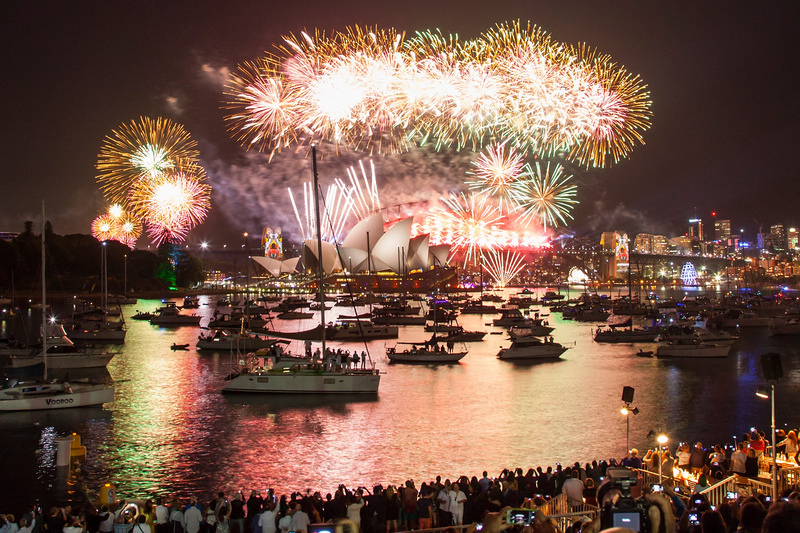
718	493
565	514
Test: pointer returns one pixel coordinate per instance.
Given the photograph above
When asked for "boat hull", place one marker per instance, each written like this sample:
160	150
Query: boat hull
64	361
702	350
289	382
428	358
97	335
552	351
82	396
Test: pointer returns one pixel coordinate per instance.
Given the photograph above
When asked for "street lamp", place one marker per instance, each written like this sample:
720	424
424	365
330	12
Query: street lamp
773	370
204	247
662	440
627	397
764	391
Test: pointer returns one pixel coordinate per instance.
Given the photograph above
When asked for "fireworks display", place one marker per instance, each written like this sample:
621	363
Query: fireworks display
496	170
469	223
545	195
171	205
146	149
149	170
117	225
359	199
503	266
371	90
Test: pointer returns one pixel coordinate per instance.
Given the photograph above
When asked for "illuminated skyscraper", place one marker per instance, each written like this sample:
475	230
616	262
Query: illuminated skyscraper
792	238
778	232
696	228
722	230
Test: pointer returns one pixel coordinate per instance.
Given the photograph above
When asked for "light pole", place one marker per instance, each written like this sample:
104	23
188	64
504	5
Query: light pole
662	440
772	367
204	247
769	392
627	410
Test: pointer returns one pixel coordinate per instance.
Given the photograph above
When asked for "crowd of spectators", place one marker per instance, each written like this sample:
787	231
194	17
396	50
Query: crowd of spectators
443	503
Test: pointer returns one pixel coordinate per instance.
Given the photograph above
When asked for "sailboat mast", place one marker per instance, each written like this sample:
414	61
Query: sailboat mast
44	300
319	244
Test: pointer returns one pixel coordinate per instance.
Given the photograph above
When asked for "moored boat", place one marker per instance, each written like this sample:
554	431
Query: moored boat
532	348
169	315
424	355
692	348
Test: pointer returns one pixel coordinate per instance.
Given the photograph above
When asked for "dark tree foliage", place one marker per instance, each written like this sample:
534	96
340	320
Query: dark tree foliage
74	263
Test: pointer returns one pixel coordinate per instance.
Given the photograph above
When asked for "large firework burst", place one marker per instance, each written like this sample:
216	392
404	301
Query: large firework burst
496	170
469	223
367	89
544	194
171	205
141	150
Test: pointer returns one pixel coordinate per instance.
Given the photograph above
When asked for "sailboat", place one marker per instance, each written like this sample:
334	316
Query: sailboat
55	394
256	376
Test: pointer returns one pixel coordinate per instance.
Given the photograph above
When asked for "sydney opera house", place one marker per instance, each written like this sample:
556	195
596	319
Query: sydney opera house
372	257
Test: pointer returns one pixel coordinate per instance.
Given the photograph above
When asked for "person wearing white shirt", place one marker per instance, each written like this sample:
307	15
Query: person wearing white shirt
141	525
457	499
107	520
266	521
161	516
573	488
24	527
300	520
193	517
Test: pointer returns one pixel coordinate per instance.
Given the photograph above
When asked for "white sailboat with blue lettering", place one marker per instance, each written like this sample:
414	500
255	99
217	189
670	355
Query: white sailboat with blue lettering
52	394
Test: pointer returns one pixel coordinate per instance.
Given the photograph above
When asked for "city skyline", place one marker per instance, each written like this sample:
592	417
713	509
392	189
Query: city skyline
717	84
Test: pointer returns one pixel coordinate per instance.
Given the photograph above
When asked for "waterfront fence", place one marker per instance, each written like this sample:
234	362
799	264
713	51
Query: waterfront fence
565	514
718	493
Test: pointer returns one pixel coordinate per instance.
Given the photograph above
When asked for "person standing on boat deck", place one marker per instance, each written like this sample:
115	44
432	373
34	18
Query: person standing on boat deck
363	359
338	361
355	359
308	348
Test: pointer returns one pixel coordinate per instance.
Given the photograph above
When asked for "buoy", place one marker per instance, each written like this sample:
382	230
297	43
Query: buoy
77	449
63	451
108	494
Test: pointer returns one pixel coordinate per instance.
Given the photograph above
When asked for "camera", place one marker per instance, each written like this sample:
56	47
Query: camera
694	518
731	495
520	517
623	510
655	487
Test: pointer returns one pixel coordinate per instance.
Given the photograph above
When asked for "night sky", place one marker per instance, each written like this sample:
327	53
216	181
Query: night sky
723	80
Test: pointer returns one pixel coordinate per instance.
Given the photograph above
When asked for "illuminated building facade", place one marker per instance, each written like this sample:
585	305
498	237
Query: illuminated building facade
792	238
617	265
722	230
779	240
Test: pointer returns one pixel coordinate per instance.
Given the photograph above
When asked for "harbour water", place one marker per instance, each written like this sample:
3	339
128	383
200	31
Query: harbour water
170	431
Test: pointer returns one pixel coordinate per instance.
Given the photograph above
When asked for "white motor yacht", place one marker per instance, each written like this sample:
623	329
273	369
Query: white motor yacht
530	347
